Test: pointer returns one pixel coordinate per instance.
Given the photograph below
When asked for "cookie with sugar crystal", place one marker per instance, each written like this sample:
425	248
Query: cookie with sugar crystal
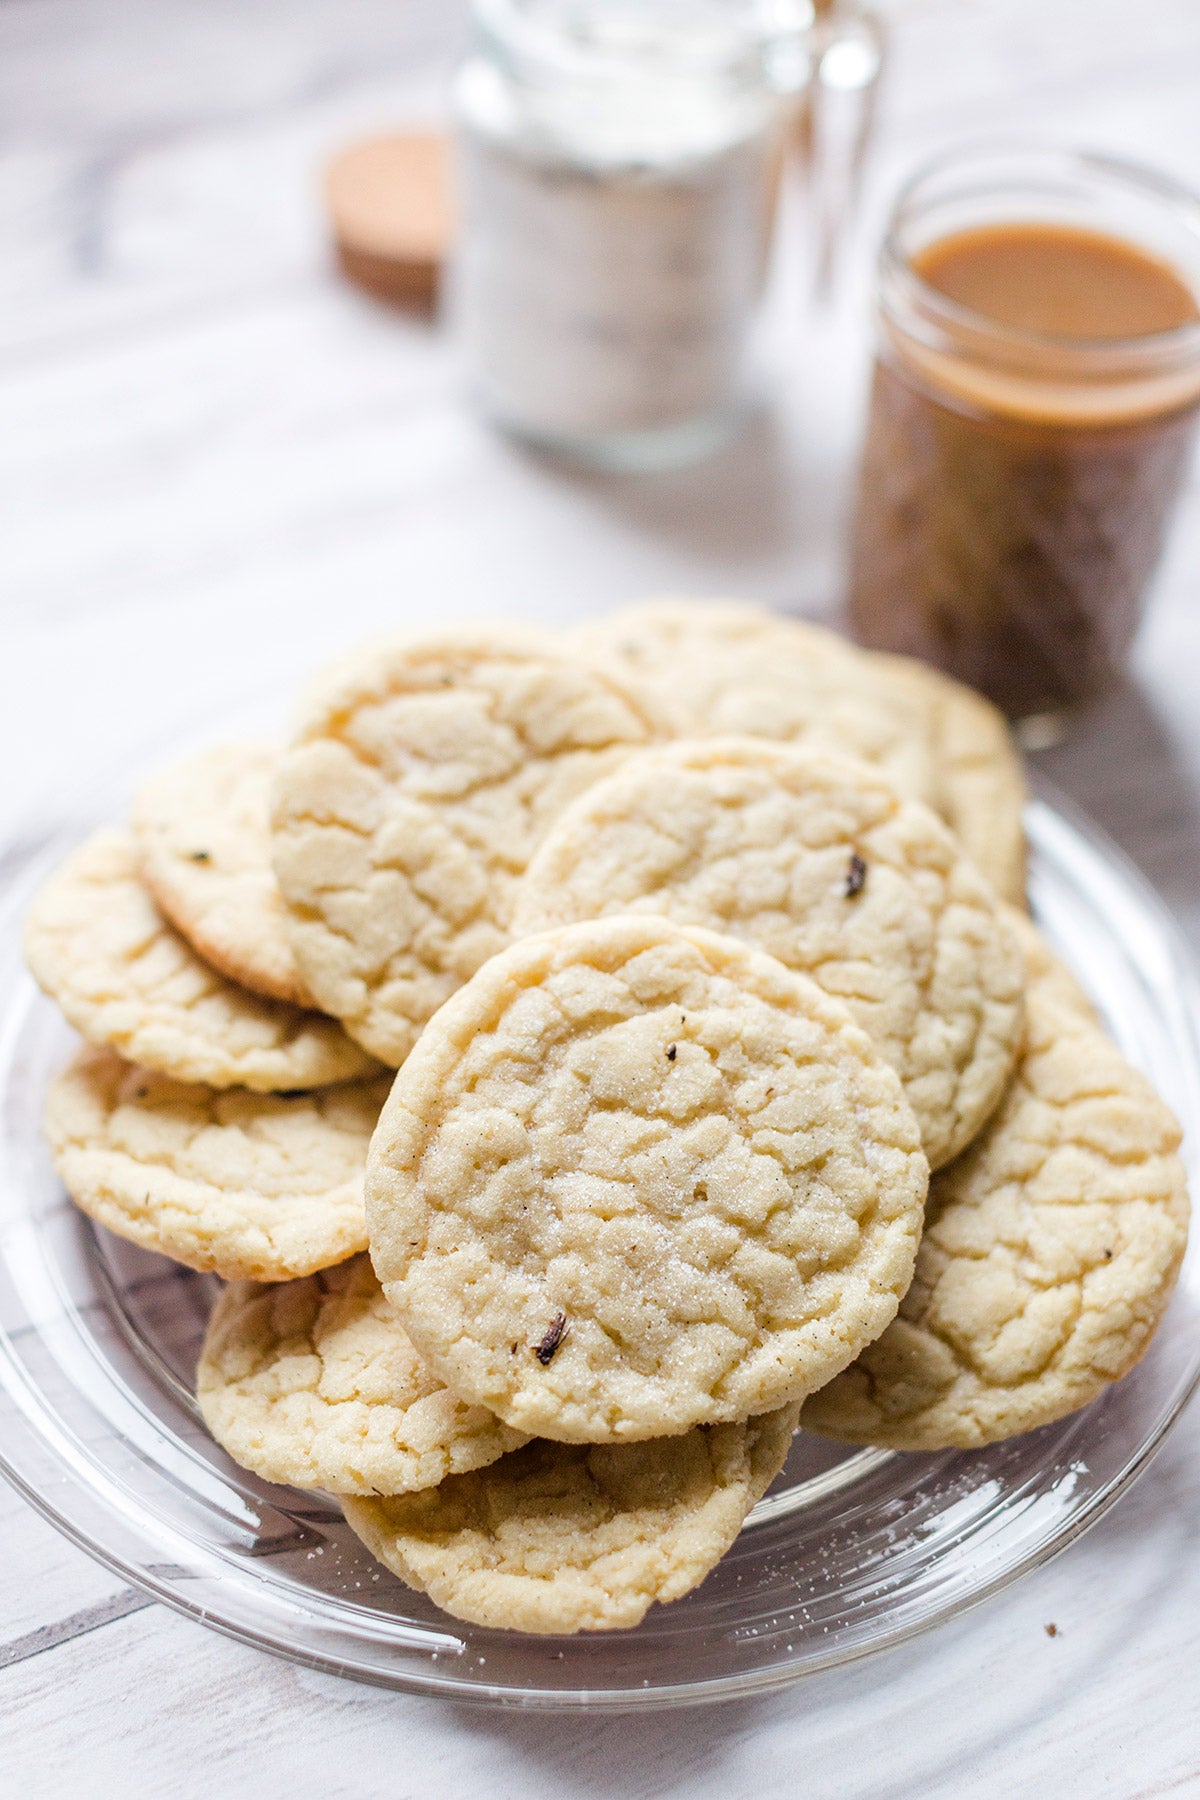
817	860
421	781
314	1384
259	1186
636	1177
96	942
561	1538
1050	1252
981	789
203	838
725	668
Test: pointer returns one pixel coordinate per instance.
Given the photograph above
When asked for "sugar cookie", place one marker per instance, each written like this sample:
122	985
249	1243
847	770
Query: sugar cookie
263	1186
422	780
981	791
313	1382
96	942
726	668
1049	1255
202	830
636	1177
564	1538
816	860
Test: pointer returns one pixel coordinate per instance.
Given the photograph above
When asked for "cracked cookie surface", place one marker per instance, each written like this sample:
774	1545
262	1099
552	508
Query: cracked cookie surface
96	942
730	669
407	809
202	830
314	1383
636	1177
565	1538
1049	1254
980	781
816	860
261	1186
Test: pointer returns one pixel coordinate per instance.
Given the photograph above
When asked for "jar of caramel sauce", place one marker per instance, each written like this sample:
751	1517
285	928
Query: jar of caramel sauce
1035	397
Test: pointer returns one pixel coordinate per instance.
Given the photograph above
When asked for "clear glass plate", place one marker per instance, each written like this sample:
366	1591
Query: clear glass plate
851	1552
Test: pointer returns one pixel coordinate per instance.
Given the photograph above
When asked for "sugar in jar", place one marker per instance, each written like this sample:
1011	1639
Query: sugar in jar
617	167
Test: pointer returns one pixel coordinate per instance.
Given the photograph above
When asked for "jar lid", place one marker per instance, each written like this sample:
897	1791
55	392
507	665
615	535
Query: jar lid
391	212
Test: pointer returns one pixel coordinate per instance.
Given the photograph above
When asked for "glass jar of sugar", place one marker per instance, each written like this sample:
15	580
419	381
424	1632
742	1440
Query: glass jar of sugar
618	161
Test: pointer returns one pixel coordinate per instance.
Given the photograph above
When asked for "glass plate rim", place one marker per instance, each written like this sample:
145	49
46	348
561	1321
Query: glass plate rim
1048	812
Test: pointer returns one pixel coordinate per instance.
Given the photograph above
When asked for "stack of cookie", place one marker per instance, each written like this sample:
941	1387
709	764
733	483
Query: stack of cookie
694	943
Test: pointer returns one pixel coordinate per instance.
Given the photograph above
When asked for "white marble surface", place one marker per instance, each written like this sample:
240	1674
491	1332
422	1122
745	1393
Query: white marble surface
217	464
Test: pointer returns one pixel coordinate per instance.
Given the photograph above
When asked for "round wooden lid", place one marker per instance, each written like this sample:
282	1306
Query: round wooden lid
389	205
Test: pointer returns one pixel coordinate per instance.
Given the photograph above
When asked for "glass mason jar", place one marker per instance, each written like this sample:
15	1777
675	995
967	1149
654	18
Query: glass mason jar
618	161
1017	480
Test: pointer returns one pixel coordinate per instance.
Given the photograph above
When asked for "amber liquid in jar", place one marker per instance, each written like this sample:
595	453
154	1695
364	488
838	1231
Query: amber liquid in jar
1012	510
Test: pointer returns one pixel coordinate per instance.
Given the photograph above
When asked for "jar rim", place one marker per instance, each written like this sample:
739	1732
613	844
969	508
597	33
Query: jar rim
1181	342
739	38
